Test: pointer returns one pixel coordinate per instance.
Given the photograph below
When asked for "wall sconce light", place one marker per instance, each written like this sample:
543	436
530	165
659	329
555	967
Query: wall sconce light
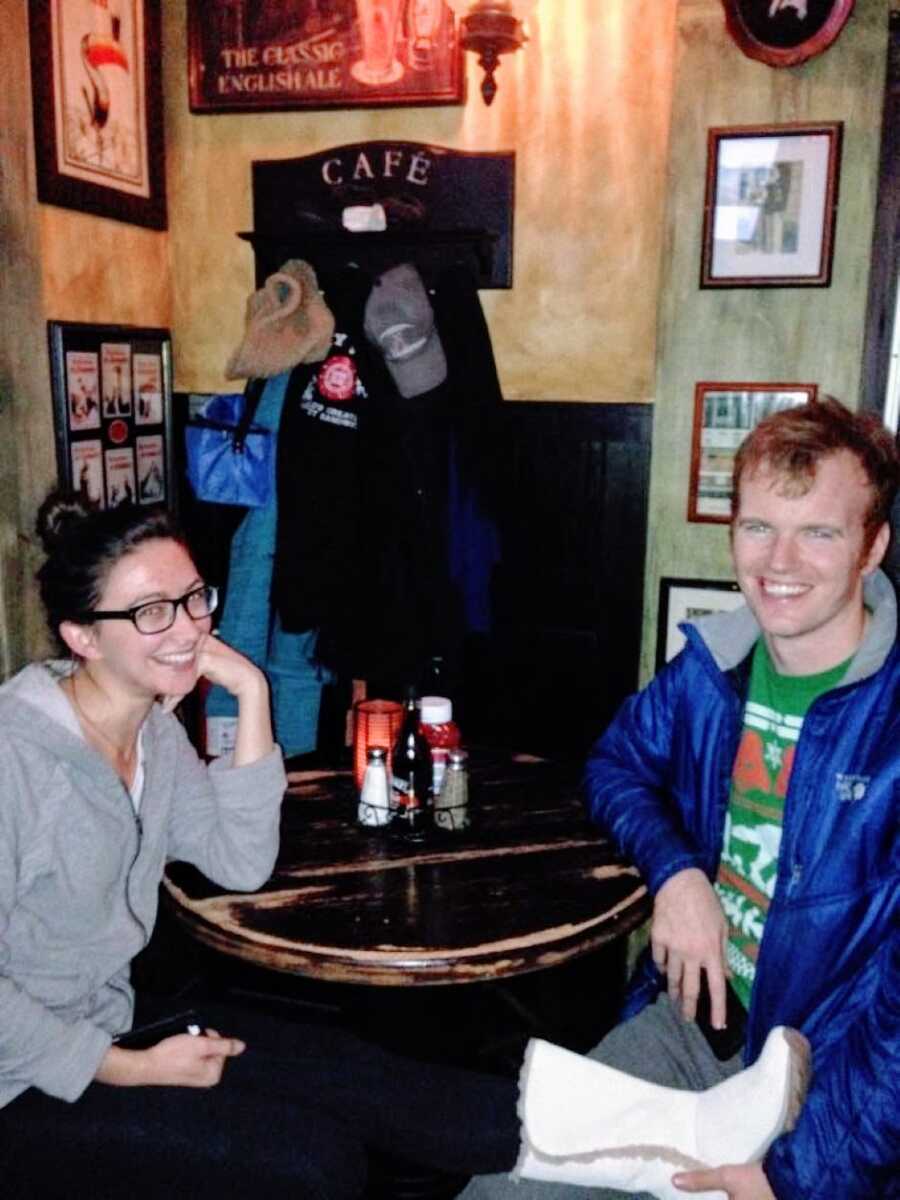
491	28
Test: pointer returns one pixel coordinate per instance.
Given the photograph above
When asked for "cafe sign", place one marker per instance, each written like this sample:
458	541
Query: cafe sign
259	56
431	193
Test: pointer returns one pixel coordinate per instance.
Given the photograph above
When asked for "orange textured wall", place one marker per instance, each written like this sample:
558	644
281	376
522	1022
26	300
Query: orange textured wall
586	108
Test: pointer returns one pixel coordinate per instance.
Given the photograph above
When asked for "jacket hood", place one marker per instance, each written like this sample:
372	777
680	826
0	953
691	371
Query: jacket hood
730	636
34	709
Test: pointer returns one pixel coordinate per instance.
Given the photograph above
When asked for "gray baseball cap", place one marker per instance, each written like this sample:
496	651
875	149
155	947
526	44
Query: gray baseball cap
399	320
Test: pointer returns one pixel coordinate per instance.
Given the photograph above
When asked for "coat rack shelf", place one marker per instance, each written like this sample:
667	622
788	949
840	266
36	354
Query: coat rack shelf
430	250
443	207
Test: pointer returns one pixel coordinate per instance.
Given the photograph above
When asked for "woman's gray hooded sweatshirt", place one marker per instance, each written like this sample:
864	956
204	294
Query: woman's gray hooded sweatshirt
80	871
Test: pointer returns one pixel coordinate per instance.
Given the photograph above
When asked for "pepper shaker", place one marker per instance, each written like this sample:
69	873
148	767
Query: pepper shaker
451	807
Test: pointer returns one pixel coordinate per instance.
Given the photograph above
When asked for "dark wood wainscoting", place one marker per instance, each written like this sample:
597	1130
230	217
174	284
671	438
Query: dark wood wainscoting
567	595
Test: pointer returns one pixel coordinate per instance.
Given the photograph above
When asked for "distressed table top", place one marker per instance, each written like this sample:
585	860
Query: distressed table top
531	884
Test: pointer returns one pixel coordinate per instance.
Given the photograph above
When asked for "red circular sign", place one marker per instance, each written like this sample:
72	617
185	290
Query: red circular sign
117	432
337	377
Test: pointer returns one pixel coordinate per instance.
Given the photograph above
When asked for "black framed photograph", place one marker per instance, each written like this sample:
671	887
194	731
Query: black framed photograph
724	413
98	123
784	33
685	599
112	412
771	205
322	54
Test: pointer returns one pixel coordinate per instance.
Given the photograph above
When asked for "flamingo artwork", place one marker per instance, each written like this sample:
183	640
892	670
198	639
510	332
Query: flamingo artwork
99	50
99	70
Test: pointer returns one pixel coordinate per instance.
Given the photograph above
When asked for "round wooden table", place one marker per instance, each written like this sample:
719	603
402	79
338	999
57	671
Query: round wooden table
530	885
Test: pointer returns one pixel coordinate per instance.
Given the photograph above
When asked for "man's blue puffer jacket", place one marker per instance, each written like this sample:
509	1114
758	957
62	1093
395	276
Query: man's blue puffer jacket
829	964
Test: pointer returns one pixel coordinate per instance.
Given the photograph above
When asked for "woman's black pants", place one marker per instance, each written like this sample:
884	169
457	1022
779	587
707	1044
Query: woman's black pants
294	1115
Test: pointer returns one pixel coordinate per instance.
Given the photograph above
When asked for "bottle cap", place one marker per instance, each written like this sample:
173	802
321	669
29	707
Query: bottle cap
457	758
374	753
435	710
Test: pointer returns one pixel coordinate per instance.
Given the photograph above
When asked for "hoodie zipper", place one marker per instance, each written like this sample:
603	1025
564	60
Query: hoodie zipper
139	830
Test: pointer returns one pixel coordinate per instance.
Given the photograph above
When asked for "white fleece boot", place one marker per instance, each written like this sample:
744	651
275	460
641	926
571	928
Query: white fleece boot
590	1125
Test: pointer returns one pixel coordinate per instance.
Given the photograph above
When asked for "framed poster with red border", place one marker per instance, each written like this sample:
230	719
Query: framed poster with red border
112	411
785	33
724	413
246	57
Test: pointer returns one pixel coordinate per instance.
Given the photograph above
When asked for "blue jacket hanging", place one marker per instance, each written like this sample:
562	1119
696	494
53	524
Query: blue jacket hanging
248	622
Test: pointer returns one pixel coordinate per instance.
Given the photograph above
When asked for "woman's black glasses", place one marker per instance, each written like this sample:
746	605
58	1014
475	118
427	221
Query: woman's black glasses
156	616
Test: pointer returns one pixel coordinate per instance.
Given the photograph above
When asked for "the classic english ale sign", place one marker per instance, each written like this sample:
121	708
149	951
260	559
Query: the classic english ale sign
275	54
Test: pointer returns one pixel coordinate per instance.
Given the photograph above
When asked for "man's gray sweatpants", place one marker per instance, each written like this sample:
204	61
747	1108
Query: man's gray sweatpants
656	1045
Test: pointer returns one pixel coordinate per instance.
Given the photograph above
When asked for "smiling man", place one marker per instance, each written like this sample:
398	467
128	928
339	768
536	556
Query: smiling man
802	545
755	783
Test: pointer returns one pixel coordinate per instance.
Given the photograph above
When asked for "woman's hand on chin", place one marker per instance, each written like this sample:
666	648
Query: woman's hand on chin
222	664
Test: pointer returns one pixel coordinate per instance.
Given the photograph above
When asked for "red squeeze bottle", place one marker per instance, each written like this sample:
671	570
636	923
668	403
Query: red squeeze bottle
440	732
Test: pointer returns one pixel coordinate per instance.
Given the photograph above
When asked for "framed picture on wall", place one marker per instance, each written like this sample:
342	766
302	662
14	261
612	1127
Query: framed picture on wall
783	33
684	599
724	413
246	57
112	412
98	126
771	204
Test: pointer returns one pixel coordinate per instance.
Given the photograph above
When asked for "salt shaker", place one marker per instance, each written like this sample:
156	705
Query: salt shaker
374	796
451	807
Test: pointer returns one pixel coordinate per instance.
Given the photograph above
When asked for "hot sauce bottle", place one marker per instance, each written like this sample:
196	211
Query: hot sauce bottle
412	773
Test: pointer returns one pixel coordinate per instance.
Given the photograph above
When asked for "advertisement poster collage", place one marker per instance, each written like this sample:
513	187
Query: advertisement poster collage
113	389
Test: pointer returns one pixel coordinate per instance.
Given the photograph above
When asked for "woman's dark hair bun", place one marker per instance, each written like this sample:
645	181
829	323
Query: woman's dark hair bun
59	513
83	543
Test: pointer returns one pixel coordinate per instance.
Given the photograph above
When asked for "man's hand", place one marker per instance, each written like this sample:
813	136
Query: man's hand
688	935
180	1061
739	1183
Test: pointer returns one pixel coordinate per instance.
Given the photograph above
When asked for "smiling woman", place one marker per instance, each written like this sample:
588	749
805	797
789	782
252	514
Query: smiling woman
101	789
124	598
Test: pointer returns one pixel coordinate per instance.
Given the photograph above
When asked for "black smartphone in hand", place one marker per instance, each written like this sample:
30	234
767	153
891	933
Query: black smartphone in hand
145	1036
727	1042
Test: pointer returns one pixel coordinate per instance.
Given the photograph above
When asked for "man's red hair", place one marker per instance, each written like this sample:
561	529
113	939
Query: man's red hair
793	442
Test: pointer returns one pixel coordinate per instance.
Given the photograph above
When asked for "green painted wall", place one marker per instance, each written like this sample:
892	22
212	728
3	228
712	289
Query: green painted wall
26	434
55	264
782	334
